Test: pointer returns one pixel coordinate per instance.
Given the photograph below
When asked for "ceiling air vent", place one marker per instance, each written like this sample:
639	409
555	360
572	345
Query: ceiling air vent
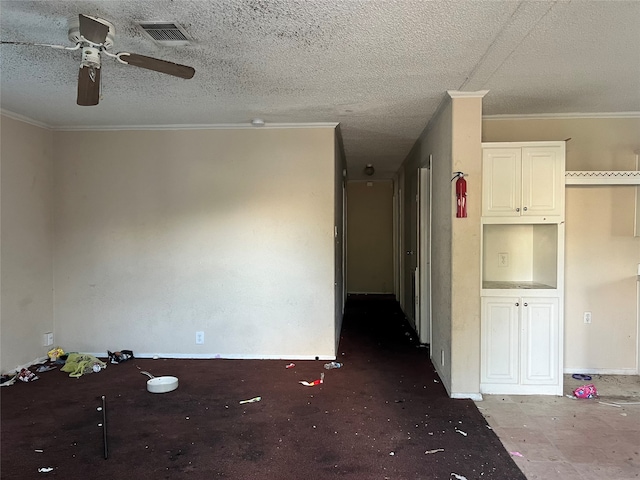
166	33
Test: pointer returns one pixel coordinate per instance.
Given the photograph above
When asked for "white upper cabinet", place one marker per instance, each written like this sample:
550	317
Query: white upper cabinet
523	180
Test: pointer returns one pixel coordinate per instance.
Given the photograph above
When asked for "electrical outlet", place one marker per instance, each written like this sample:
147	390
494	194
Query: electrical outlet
587	317
503	259
47	339
199	338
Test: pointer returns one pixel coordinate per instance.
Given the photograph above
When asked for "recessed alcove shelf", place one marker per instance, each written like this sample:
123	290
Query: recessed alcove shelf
520	256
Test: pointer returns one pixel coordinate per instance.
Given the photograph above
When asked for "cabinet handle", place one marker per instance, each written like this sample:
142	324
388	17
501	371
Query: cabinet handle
525	209
517	304
517	209
526	304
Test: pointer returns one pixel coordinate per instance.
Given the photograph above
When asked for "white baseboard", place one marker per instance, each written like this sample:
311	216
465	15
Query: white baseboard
473	396
601	371
373	294
227	356
515	389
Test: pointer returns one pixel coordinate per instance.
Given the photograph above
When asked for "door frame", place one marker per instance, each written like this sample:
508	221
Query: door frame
399	236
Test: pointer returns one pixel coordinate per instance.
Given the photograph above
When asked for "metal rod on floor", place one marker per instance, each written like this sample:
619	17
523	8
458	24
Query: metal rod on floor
104	427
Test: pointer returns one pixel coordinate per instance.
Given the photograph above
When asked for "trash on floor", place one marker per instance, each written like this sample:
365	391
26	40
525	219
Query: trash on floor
458	477
27	375
45	368
45	469
580	376
314	383
586	391
619	404
7	380
78	364
611	404
251	400
120	356
434	451
163	384
516	454
291	365
464	434
332	365
55	353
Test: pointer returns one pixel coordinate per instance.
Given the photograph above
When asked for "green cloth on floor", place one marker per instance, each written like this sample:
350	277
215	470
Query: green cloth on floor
78	364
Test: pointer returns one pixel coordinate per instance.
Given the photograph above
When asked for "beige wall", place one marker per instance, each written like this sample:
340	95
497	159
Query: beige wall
26	242
160	234
370	237
437	143
436	140
150	236
601	253
453	140
466	254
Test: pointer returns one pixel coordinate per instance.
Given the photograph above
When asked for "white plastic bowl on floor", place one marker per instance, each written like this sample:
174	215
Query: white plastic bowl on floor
161	384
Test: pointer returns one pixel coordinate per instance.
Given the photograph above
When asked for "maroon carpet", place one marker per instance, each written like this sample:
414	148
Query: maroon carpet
374	418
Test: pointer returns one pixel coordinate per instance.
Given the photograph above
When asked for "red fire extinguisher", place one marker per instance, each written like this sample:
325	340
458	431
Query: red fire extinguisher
461	195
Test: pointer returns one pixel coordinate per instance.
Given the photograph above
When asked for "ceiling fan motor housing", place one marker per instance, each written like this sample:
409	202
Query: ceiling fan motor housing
75	37
91	57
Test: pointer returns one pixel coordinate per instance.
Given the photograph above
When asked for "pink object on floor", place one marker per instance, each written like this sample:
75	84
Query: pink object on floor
586	391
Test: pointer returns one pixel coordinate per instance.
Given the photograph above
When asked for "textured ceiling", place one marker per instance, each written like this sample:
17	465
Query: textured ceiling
378	67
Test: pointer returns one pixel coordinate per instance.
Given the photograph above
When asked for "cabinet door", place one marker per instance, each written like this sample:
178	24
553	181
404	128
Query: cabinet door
501	182
542	181
499	350
539	341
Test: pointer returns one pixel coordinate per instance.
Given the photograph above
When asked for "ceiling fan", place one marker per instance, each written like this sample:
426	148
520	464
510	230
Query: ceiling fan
94	36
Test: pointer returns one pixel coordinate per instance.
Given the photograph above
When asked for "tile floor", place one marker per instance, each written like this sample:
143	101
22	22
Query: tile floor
571	439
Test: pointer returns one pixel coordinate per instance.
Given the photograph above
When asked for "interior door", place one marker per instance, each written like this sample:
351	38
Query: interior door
401	247
411	274
424	257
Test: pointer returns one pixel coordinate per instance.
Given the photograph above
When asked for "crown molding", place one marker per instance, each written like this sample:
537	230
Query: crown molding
459	94
213	126
22	118
218	126
558	116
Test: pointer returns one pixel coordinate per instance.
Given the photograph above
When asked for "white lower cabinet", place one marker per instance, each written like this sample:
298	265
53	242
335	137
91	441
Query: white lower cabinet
520	351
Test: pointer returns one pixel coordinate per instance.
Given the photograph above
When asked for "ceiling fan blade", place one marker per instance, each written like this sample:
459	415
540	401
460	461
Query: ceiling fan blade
88	86
157	65
58	47
93	30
